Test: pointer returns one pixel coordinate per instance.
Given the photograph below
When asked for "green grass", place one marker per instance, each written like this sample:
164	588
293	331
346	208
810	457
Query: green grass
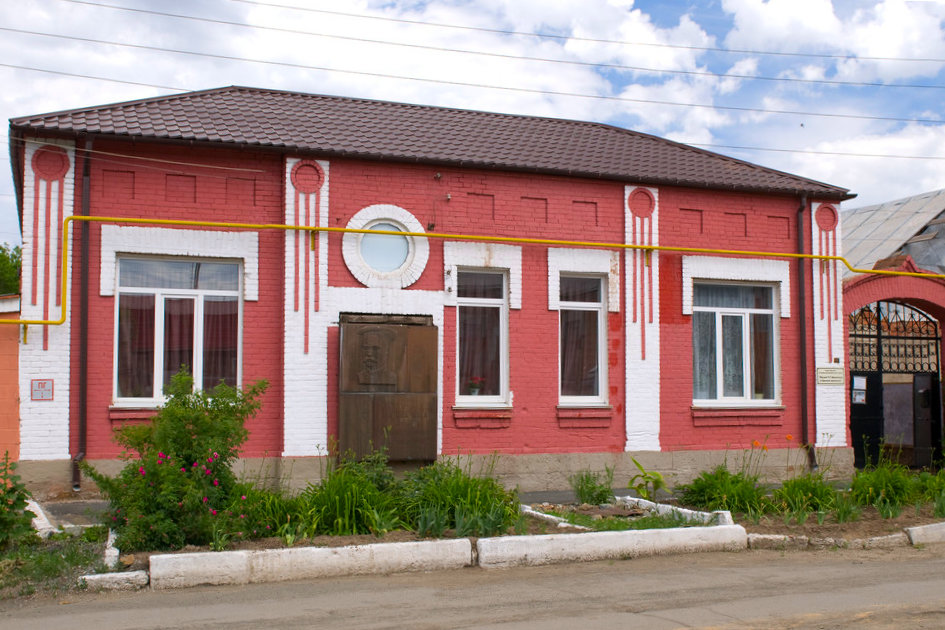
50	566
593	487
617	523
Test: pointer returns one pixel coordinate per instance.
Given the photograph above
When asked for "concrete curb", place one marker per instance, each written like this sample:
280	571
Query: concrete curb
934	533
41	522
509	551
274	565
128	581
779	542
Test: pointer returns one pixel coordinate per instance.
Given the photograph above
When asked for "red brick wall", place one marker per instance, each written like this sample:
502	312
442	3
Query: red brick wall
725	221
515	205
124	187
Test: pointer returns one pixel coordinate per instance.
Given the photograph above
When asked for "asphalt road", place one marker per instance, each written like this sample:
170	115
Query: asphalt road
899	588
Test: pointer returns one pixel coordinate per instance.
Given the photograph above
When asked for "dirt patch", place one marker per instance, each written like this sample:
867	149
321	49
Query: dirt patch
870	524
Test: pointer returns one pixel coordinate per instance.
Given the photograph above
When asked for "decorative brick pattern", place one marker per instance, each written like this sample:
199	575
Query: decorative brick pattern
49	198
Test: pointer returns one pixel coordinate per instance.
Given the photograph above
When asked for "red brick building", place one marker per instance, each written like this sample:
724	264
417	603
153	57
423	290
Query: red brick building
508	315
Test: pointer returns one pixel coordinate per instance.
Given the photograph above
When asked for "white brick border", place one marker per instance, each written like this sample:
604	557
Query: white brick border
172	242
417	254
737	269
487	256
584	261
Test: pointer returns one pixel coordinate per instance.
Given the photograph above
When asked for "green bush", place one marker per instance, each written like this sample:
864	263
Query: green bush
805	493
593	487
16	522
887	481
177	486
349	500
443	493
720	489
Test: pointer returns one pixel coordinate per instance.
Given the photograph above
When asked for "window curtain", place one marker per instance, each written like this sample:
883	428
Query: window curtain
135	346
704	383
220	338
178	336
479	349
579	352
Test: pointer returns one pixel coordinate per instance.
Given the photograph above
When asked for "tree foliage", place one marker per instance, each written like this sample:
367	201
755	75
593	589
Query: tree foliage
10	258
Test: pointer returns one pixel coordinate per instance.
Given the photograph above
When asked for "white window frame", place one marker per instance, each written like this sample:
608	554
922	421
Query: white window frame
745	314
160	295
600	307
503	399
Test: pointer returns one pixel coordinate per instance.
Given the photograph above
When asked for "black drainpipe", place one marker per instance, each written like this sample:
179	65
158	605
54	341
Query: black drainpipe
802	308
83	318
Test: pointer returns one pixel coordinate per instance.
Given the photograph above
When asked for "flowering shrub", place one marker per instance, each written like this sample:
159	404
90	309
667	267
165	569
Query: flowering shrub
177	487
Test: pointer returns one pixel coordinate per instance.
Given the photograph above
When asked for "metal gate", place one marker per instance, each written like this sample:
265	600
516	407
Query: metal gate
891	338
388	376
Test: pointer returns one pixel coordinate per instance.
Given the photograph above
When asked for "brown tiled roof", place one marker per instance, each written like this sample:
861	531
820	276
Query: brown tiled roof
337	126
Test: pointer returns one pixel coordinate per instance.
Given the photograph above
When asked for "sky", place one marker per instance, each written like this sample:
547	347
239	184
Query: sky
847	92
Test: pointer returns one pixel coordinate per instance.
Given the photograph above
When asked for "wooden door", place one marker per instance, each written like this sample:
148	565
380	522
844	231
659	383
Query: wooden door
388	377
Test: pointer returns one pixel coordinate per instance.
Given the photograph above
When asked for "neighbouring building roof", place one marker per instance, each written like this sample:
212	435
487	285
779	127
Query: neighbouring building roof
360	128
913	226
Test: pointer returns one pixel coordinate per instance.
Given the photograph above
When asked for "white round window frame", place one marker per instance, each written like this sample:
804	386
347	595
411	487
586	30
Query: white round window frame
418	249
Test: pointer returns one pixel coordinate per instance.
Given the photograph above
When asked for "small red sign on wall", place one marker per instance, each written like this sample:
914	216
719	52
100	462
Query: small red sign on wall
41	389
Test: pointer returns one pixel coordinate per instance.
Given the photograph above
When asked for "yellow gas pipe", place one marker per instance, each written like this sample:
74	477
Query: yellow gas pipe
459	237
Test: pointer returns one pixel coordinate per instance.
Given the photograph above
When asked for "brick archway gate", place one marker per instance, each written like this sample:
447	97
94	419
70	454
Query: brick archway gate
896	398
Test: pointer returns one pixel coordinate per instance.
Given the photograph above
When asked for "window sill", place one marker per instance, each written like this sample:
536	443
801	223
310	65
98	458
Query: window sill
482	418
122	414
584	417
737	416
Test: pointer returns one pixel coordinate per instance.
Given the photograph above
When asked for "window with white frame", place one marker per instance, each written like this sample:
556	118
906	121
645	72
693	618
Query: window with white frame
173	313
581	315
483	313
734	328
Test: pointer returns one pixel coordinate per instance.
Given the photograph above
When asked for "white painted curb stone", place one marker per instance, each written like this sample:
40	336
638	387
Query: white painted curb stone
553	548
275	565
40	522
926	534
128	581
192	569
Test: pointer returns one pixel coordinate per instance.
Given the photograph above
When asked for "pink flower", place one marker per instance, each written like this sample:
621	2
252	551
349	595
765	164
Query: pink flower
182	469
210	460
160	461
141	470
243	497
216	482
161	454
242	516
195	464
212	511
215	454
205	499
209	471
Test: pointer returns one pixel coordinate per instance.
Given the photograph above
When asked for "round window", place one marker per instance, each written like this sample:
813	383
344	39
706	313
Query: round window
384	252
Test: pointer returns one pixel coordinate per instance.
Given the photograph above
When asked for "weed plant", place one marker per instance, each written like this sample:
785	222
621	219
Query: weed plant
845	508
616	523
31	565
592	487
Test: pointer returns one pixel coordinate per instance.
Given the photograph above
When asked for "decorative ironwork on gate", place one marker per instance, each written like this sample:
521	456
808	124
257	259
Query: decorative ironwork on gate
893	337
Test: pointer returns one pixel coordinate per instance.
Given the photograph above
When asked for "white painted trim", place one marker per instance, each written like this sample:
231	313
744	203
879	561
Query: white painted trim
44	424
10	304
643	378
737	270
417	255
173	242
590	261
457	255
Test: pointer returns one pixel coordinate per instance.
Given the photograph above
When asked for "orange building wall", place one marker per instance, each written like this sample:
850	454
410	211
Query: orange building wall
9	388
